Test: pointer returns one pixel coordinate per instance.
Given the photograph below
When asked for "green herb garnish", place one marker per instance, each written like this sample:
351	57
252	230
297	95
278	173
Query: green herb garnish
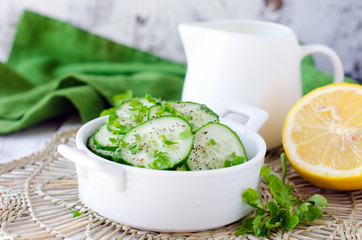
122	128
135	147
234	160
140	110
151	99
166	108
161	161
184	134
284	211
137	136
110	111
119	98
212	142
167	142
75	213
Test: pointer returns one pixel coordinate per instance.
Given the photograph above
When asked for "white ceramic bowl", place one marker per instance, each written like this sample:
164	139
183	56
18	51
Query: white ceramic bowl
170	201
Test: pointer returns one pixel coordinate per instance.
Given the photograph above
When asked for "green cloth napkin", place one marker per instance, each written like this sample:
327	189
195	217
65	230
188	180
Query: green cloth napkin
55	68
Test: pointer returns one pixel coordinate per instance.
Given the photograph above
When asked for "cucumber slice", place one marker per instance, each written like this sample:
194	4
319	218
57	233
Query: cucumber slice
196	114
100	152
215	146
160	143
105	139
183	168
130	113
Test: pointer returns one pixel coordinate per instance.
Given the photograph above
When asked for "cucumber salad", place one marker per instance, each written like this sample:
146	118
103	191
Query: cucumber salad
167	135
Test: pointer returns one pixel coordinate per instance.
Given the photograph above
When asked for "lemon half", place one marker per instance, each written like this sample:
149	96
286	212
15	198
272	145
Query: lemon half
322	136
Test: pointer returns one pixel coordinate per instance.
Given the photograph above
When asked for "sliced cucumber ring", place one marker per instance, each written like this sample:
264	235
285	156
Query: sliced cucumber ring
215	146
160	143
131	113
196	114
100	152
105	139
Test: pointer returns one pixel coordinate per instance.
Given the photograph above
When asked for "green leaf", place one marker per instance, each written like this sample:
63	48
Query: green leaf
319	200
246	226
161	161
134	147
212	142
273	207
251	197
256	224
135	103
112	116
260	211
167	108
281	193
160	111
239	160
106	112
167	142
227	163
121	127
75	213
119	98
301	210
313	214
117	156
289	221
234	160
267	225
137	136
184	134
151	99
272	223
278	212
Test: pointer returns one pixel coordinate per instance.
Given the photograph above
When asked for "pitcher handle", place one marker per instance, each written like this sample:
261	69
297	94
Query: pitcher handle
328	52
256	116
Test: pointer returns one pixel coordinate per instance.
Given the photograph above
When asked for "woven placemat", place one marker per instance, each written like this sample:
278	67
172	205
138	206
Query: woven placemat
39	192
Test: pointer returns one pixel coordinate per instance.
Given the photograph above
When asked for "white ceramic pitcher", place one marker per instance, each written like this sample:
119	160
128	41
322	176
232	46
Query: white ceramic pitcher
253	62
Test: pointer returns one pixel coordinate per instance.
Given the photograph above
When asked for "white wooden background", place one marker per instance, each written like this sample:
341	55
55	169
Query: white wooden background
151	25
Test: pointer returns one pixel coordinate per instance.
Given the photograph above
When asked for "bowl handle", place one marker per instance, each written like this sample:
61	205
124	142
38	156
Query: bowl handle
256	116
84	162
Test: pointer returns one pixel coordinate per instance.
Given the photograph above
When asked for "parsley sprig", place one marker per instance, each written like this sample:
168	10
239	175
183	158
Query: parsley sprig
167	142
234	160
75	213
166	108
162	160
285	211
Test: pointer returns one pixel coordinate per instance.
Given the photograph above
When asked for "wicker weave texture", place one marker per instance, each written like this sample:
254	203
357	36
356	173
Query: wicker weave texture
38	194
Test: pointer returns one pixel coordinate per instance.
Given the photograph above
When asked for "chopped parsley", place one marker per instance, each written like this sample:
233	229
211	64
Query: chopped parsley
120	98
284	211
151	99
135	147
162	160
75	213
184	134
167	142
234	160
